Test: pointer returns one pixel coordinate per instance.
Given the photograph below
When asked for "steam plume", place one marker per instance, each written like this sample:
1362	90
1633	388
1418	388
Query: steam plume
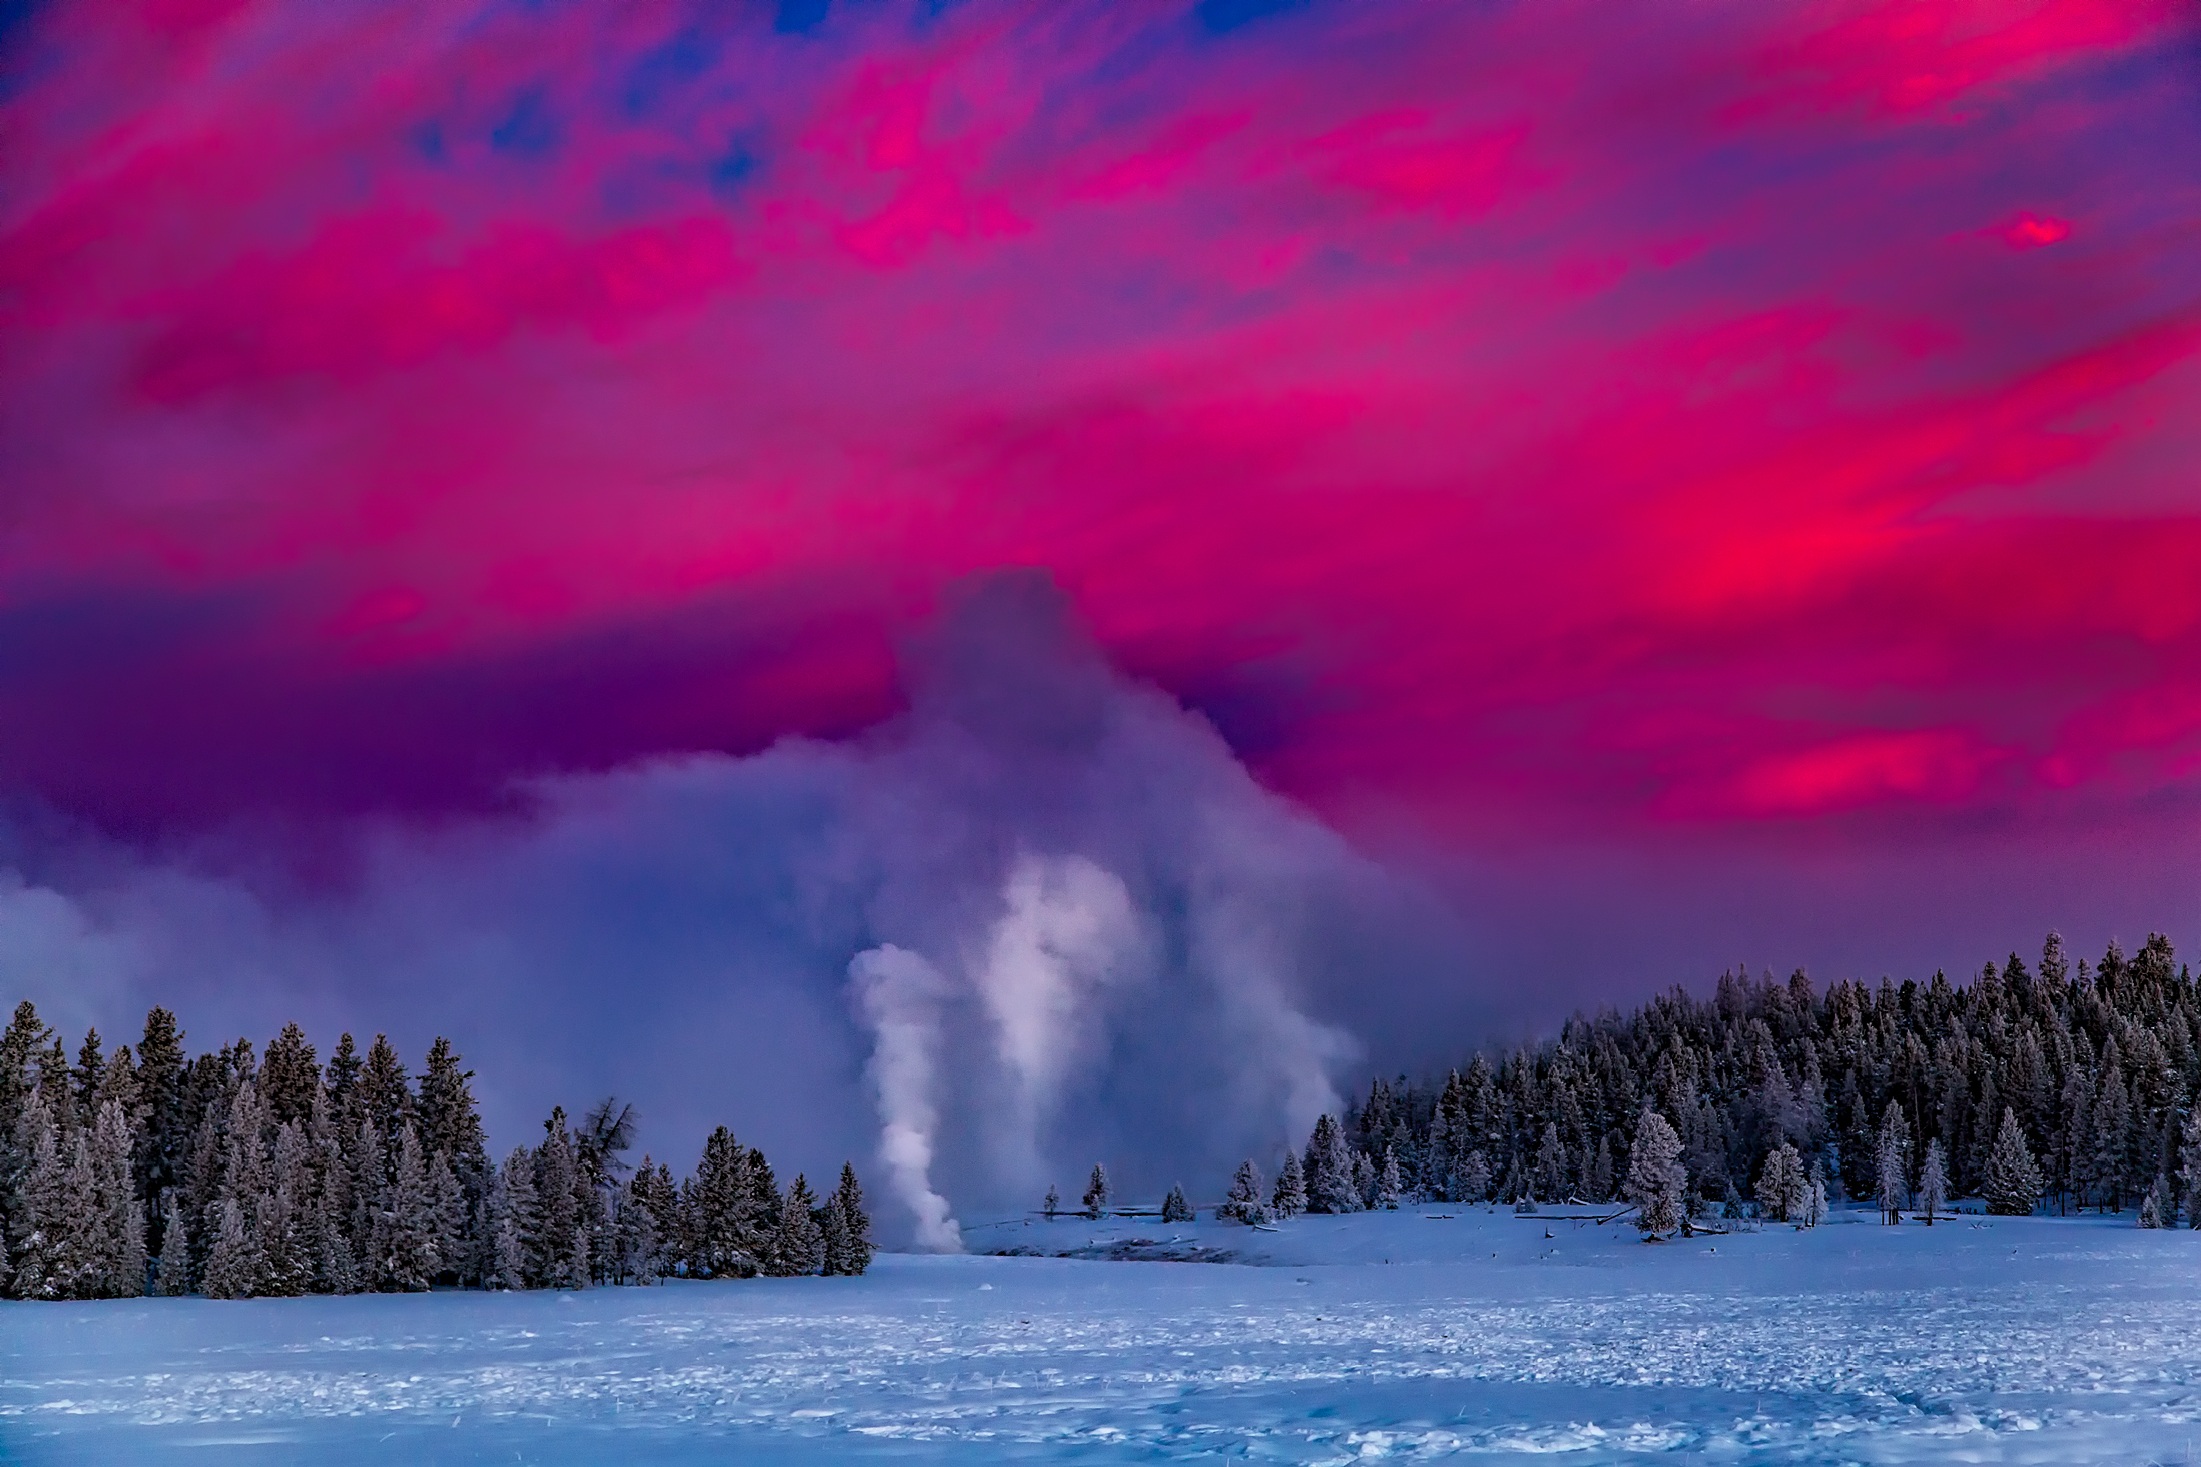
1044	918
1069	928
900	993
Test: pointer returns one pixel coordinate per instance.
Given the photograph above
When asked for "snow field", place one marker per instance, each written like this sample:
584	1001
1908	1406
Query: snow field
1373	1337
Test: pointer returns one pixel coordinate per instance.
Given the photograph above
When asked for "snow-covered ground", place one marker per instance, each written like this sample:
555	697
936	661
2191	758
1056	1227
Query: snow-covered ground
1397	1336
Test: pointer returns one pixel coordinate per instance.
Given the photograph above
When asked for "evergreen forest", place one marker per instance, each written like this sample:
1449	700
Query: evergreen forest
233	1175
2063	1085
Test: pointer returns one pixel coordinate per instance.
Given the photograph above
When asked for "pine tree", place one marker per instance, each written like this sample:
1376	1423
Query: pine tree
1473	1178
514	1225
1174	1207
848	1199
450	1121
1051	1205
329	1202
1548	1183
1655	1176
1781	1185
25	1038
2189	1175
798	1247
1290	1197
722	1245
833	1229
2111	1141
650	1190
233	1263
1329	1169
1096	1192
160	1073
405	1259
1891	1163
2013	1182
173	1272
385	1096
366	1164
760	1208
634	1234
1243	1201
342	1080
1388	1183
87	1241
290	1077
1600	1181
1933	1181
448	1217
44	1251
2155	1208
118	1082
564	1261
111	1150
286	1221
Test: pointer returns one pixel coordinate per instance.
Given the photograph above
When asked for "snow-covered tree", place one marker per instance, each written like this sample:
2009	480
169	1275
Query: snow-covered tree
635	1246
173	1273
115	1244
563	1262
1548	1179
1891	1166
290	1077
1289	1198
1782	1185
2013	1183
1602	1174
2189	1159
853	1255
722	1242
329	1202
1096	1192
512	1222
1933	1181
1052	1205
405	1256
366	1166
1244	1200
450	1122
286	1219
1655	1176
1329	1168
1389	1185
798	1245
1174	1207
233	1267
1471	1182
45	1250
2155	1205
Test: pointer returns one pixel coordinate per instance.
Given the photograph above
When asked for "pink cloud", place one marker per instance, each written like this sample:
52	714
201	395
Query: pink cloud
1556	417
2031	231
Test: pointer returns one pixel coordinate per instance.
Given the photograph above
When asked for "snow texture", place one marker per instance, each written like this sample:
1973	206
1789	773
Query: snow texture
1416	1335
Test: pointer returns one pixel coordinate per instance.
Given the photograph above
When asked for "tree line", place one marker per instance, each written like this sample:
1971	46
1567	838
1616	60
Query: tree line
235	1175
2066	1085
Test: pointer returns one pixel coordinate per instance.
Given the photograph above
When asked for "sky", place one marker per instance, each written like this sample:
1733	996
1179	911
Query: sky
1669	486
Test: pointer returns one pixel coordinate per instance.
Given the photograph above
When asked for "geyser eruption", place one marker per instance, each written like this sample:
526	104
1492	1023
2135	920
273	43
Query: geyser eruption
1068	930
901	993
1112	920
1043	918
